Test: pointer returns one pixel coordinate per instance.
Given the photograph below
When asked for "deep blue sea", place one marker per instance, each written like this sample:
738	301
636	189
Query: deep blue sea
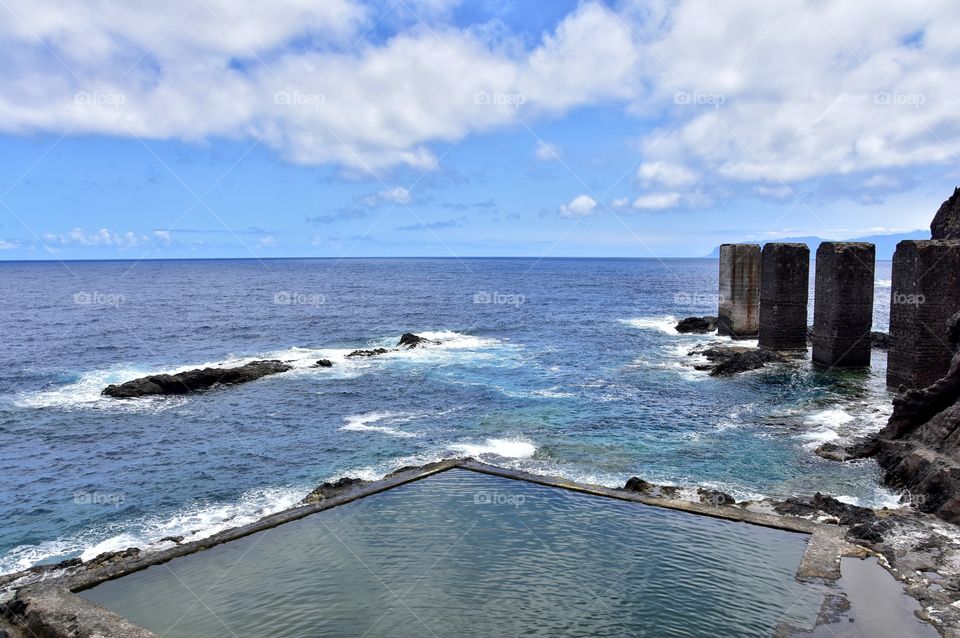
561	366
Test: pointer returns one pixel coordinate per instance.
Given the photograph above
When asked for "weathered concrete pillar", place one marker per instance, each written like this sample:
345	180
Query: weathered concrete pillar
739	311
924	294
843	304
784	285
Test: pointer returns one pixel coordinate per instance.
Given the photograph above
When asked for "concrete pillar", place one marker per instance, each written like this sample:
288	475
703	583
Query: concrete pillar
924	294
784	286
843	304
739	311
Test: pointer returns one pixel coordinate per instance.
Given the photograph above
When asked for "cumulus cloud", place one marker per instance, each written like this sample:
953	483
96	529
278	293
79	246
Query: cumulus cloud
668	174
395	195
579	206
656	201
190	71
8	245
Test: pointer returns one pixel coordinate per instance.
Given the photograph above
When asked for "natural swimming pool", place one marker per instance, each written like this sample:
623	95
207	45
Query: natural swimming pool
464	553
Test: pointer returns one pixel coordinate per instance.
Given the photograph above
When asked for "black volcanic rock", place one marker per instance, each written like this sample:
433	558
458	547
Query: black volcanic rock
367	353
715	497
194	380
328	489
637	484
697	325
322	363
919	449
820	505
946	223
728	360
411	340
880	340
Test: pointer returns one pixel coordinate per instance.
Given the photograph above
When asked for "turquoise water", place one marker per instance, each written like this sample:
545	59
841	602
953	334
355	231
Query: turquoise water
466	554
567	367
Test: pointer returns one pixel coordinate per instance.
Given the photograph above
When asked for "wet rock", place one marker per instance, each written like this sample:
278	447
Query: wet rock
697	325
367	353
727	360
328	489
919	449
870	532
858	449
110	558
172	539
411	340
323	363
637	484
818	506
669	491
194	380
880	340
715	497
946	223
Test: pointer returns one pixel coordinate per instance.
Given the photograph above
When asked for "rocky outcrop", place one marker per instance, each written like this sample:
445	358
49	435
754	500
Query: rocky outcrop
919	449
367	353
946	223
727	360
323	363
410	340
194	380
697	325
328	489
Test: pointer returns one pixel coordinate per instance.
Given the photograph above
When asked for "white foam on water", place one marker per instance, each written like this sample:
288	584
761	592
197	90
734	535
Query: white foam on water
192	522
883	283
830	418
665	324
362	423
506	448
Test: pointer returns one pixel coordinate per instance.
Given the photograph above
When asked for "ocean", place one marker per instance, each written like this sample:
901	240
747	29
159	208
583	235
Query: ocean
566	367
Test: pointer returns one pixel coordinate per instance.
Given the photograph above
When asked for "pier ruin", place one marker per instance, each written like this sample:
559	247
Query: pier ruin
843	304
738	314
784	286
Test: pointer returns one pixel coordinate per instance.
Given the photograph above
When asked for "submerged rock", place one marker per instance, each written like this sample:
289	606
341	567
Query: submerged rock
697	325
194	380
727	360
411	340
328	489
946	223
367	353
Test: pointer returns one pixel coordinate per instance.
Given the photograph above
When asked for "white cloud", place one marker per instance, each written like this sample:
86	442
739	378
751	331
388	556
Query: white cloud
395	195
267	241
798	91
657	201
102	237
8	245
620	202
579	206
547	152
190	71
667	174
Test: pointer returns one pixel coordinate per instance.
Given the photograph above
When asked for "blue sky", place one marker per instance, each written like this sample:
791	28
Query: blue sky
434	127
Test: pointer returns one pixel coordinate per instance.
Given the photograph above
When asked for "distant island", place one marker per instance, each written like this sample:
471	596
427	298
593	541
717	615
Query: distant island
885	244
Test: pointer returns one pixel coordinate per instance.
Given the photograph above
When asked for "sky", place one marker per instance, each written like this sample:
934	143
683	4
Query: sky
339	128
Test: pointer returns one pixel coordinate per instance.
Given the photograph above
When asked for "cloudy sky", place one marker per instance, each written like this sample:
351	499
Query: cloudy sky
639	128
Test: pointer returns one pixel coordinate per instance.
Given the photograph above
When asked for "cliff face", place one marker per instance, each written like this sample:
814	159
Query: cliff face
919	449
946	223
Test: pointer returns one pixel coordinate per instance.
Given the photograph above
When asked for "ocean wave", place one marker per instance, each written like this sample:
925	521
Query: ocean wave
665	324
454	349
192	522
362	423
506	448
883	283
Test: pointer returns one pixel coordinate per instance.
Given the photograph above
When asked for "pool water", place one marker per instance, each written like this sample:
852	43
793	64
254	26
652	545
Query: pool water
467	554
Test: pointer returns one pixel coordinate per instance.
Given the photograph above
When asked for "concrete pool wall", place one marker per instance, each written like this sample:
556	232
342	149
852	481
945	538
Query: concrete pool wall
52	608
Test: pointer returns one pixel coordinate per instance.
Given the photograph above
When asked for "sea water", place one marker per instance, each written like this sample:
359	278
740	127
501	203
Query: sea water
563	366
